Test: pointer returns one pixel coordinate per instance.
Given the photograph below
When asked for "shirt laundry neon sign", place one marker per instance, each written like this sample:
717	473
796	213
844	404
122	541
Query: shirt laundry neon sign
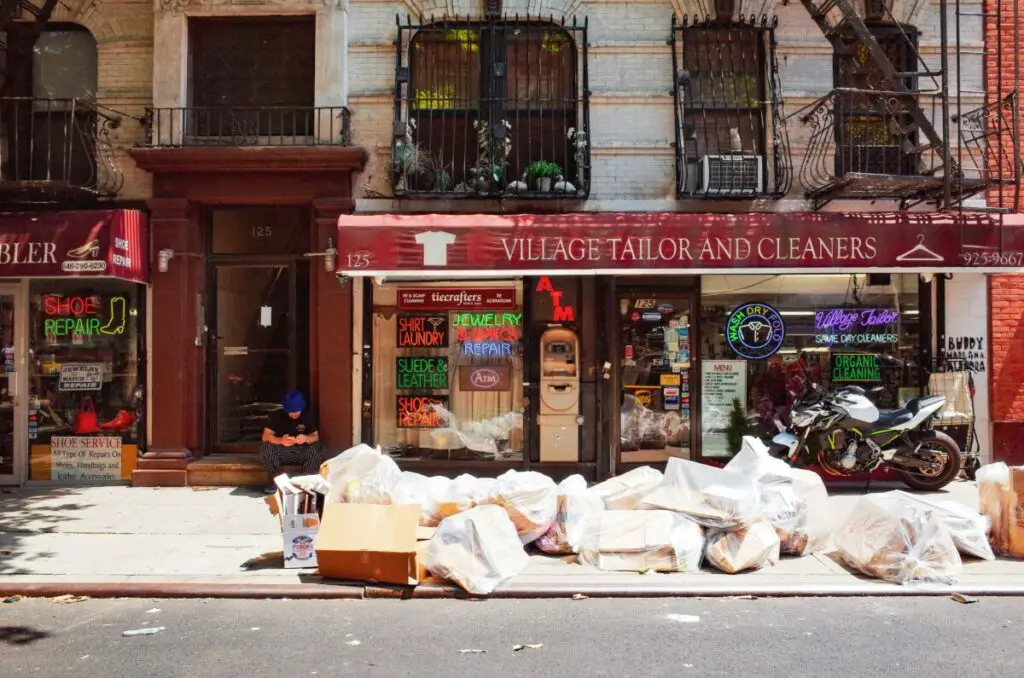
80	315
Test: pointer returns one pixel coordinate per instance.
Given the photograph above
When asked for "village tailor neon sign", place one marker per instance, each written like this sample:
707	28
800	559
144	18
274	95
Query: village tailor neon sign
66	316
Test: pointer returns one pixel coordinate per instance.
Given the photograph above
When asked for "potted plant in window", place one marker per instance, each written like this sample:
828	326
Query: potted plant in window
542	173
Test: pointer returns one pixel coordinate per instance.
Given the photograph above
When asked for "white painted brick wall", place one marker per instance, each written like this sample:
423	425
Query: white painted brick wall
967	314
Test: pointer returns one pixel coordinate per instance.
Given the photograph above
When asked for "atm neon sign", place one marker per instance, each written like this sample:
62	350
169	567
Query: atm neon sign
81	315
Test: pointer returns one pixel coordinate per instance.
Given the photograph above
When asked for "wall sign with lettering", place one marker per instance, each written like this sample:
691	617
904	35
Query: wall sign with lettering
966	354
421	411
479	327
421	372
485	378
755	331
80	377
847	326
88	315
862	367
456	299
422	331
85	458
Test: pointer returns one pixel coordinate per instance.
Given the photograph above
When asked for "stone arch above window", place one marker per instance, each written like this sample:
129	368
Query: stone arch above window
472	9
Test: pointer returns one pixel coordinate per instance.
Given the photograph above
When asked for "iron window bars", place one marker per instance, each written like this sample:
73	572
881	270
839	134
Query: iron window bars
497	107
731	139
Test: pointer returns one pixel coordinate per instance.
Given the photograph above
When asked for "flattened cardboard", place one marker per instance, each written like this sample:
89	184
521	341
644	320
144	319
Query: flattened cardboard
369	542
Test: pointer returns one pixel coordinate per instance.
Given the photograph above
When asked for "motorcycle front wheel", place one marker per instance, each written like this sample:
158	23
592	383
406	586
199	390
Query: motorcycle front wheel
932	442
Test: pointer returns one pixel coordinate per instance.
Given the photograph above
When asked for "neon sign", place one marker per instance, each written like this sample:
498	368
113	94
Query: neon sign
487	327
418	331
855	326
560	314
80	315
856	367
755	331
421	373
487	349
420	411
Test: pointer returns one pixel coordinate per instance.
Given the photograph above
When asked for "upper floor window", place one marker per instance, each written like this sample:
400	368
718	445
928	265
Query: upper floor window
492	108
731	138
251	76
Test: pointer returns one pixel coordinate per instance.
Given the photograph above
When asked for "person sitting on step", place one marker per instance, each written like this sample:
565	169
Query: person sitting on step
292	436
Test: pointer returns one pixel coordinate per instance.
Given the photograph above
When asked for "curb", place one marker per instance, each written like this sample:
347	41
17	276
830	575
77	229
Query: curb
316	591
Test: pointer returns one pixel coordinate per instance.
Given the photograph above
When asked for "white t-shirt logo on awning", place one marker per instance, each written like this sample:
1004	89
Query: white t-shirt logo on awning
435	247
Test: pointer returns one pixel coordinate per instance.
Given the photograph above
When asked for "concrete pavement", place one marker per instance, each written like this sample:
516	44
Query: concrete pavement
819	637
107	541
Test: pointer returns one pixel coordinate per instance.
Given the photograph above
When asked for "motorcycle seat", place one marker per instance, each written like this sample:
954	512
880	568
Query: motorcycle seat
890	418
914	405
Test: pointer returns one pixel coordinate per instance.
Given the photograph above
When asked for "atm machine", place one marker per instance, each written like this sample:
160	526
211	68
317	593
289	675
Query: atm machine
559	396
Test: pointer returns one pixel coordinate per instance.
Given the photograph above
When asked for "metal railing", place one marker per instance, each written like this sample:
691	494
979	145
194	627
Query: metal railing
493	108
56	148
248	126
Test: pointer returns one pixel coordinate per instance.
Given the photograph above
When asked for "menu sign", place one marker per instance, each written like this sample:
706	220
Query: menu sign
722	382
455	299
421	373
423	331
420	411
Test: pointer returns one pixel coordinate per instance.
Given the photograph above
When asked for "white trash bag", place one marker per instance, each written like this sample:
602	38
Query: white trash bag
748	548
638	541
531	499
968	528
794	501
477	549
625	492
890	538
711	496
360	474
575	502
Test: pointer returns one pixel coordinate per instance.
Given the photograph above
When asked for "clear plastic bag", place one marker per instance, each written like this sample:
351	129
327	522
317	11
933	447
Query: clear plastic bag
360	474
749	548
575	502
531	500
794	501
477	549
625	492
889	538
641	540
968	528
711	496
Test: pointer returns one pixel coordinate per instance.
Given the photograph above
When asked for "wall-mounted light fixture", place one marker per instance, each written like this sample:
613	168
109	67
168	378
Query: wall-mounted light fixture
164	256
330	256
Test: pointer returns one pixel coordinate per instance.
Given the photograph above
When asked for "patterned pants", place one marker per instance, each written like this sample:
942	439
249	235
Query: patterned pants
310	456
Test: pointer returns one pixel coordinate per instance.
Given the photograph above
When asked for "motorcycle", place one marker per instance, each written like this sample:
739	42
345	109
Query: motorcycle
851	436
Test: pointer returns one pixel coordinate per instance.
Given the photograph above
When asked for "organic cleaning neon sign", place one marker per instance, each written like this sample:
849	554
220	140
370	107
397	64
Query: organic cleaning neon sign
80	315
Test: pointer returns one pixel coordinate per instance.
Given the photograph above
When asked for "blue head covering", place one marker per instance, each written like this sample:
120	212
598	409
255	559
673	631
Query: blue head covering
294	402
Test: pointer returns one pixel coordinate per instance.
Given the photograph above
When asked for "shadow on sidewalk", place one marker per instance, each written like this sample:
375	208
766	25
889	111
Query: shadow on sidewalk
33	511
21	635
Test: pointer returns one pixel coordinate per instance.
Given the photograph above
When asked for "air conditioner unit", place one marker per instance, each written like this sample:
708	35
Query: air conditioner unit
727	175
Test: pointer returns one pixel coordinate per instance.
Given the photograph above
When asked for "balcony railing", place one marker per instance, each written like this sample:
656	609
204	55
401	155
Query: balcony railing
248	126
497	108
56	149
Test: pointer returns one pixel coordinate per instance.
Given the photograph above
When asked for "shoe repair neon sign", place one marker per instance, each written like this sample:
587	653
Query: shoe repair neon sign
81	315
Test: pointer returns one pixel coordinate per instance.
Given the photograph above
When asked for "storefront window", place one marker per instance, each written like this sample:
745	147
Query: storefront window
85	378
448	370
764	337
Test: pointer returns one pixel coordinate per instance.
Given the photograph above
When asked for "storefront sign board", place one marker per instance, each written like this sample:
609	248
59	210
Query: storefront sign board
80	377
80	243
847	326
421	411
85	458
850	367
414	372
722	382
485	378
603	242
451	299
422	331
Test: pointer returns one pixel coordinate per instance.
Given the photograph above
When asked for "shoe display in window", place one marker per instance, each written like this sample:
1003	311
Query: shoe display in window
122	421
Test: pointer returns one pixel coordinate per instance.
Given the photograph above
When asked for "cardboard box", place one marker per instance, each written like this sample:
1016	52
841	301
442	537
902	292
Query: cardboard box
298	533
369	542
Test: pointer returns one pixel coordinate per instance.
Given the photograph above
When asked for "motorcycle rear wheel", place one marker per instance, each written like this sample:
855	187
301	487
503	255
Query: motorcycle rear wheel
939	441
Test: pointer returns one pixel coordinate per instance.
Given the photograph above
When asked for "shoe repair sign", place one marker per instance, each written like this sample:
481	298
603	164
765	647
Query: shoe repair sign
85	458
80	377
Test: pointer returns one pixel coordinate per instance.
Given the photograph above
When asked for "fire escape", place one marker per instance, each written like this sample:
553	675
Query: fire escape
53	150
894	126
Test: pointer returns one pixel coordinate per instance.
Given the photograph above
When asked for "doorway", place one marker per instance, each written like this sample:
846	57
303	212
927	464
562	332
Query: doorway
258	311
13	431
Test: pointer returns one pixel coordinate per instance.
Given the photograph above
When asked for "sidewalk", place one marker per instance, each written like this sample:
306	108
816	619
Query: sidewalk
223	542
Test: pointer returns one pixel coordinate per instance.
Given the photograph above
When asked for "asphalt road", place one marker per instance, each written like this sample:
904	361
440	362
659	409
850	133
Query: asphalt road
662	637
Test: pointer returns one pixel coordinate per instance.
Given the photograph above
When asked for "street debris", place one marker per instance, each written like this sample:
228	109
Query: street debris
13	599
527	646
153	610
683	618
148	631
472	651
202	488
353	643
68	598
962	599
579	596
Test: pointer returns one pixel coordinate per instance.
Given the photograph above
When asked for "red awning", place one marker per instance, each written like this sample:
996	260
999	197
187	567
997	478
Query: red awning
464	245
101	243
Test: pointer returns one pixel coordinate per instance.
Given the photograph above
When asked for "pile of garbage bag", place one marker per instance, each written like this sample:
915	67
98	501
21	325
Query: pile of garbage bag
739	518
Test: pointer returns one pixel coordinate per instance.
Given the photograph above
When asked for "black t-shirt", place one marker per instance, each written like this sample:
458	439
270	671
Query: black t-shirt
282	425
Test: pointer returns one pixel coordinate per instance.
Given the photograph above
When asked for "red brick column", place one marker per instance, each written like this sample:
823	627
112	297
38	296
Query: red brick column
1006	380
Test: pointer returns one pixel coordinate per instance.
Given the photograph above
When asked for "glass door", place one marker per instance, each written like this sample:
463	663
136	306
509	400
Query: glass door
12	432
259	348
655	377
